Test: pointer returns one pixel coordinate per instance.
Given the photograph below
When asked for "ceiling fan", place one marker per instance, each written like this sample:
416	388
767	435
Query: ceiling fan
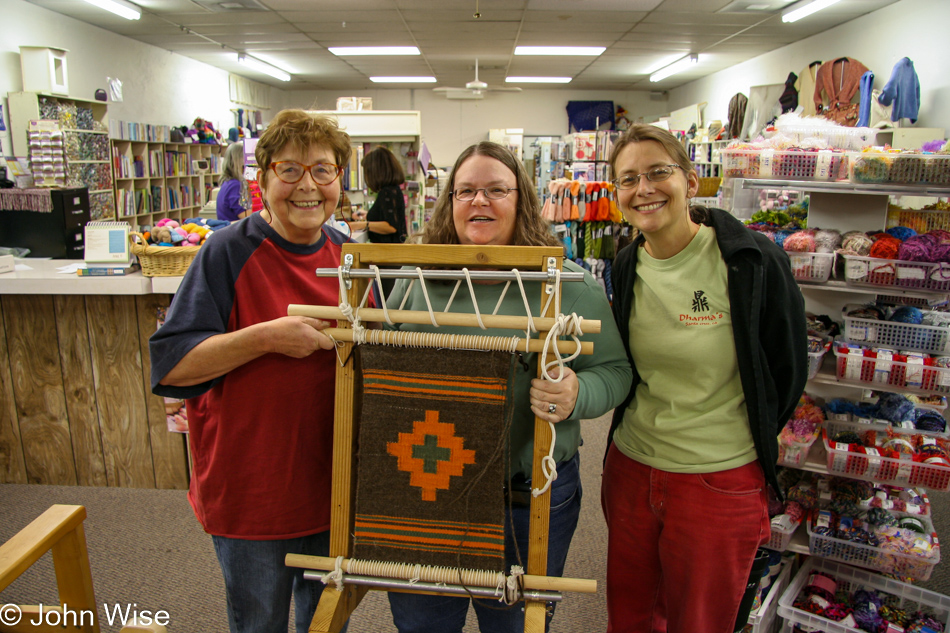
474	89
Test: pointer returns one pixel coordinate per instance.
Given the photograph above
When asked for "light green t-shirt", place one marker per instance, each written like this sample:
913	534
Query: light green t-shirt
689	414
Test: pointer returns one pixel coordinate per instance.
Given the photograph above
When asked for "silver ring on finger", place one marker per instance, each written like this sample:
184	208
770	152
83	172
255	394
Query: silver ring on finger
552	407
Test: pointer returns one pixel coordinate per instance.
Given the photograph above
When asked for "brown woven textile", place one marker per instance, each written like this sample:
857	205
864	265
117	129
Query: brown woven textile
431	457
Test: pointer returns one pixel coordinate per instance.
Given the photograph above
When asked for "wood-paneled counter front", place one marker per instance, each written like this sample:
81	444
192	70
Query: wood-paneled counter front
75	403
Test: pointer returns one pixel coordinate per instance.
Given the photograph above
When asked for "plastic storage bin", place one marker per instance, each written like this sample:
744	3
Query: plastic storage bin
822	165
899	168
794	454
812	267
859	367
899	336
817	359
901	471
840	136
837	426
911	599
763	618
871	271
880	559
781	537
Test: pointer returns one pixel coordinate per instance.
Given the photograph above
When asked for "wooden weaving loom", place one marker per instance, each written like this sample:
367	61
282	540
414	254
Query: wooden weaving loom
439	261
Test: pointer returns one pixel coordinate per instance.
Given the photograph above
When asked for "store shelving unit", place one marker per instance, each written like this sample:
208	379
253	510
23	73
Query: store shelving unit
158	180
844	206
401	132
705	157
85	128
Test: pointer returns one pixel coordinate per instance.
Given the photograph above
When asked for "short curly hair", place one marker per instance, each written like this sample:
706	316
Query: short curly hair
530	228
302	130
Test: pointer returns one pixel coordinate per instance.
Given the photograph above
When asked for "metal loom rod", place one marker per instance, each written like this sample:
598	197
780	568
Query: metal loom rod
437	587
421	317
466	341
448	275
538	583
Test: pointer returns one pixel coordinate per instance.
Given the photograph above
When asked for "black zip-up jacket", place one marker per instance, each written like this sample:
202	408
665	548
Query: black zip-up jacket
768	323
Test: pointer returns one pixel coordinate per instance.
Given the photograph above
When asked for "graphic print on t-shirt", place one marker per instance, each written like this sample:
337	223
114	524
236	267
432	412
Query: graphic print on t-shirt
700	312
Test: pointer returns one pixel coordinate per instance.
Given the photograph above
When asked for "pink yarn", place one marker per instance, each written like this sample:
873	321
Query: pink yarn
800	242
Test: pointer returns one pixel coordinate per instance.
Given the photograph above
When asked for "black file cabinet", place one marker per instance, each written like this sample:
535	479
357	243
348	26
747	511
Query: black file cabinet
58	234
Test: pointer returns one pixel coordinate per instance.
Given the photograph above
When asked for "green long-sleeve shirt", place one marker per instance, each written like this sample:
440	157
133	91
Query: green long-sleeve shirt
604	377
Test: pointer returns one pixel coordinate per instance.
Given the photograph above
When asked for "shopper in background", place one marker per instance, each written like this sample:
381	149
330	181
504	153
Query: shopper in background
385	221
714	326
234	199
490	200
259	383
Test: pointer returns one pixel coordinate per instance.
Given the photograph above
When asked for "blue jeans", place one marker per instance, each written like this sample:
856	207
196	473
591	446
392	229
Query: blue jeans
259	585
421	613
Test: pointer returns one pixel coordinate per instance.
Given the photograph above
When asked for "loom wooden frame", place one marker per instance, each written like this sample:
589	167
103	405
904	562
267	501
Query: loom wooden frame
335	606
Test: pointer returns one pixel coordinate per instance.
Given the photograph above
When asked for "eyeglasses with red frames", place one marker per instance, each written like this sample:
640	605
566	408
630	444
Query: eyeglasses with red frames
291	172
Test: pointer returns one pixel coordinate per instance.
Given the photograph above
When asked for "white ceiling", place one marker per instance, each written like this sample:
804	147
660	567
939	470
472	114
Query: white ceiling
638	34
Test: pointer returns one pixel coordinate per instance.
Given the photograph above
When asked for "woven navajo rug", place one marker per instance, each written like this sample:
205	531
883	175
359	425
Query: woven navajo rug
431	457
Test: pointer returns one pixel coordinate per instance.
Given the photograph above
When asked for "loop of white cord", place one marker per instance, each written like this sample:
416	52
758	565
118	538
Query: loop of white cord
511	594
336	575
471	289
382	294
425	294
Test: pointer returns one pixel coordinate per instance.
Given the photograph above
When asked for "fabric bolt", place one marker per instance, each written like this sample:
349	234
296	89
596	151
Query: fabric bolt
806	88
261	435
737	107
902	91
417	613
673	580
789	97
867	85
766	326
259	585
431	459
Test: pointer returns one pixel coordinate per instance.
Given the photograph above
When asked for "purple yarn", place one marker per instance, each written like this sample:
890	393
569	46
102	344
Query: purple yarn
866	606
941	252
928	420
933	146
918	248
901	232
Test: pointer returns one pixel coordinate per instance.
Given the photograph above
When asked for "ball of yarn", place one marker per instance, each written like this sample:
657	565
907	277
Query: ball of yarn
867	605
901	232
940	252
907	314
928	420
916	249
893	407
940	235
800	242
827	241
885	248
858	242
781	235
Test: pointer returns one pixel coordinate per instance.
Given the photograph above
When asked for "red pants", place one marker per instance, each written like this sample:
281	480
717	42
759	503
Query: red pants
680	546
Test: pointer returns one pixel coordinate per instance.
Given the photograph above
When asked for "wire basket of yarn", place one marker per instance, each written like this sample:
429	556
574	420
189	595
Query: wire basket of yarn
818	346
903	330
811	253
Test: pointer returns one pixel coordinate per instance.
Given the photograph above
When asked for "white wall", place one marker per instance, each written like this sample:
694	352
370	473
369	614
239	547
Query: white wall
910	28
449	126
159	87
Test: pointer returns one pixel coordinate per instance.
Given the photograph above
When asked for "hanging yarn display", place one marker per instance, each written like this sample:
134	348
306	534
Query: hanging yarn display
800	242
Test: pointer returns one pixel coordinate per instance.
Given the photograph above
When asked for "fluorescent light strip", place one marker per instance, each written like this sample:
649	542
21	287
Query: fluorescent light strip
374	50
804	10
121	8
263	67
675	67
560	50
537	80
402	80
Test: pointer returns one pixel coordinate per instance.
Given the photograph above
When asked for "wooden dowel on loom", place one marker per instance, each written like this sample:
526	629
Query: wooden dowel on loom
421	317
403	338
539	583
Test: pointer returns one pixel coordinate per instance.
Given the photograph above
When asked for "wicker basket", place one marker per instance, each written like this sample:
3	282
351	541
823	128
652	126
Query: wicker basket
708	187
161	261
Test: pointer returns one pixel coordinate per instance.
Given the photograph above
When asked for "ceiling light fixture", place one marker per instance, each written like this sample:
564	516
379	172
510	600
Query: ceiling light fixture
263	67
121	8
402	80
537	80
374	50
801	10
676	67
590	51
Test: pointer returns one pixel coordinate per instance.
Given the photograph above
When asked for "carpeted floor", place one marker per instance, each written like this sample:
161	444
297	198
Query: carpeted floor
147	548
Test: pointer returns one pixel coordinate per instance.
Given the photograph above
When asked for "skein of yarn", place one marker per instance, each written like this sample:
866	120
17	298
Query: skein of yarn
827	240
800	242
885	247
857	242
901	232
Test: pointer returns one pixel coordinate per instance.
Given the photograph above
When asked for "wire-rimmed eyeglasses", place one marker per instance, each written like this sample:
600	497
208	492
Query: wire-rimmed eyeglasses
291	172
657	174
466	194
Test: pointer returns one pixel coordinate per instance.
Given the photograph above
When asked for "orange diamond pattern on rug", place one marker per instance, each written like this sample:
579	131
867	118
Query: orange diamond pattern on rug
431	465
431	454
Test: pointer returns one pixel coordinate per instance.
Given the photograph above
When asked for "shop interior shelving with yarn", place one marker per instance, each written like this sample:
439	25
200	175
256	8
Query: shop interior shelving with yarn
401	132
845	206
85	134
156	180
